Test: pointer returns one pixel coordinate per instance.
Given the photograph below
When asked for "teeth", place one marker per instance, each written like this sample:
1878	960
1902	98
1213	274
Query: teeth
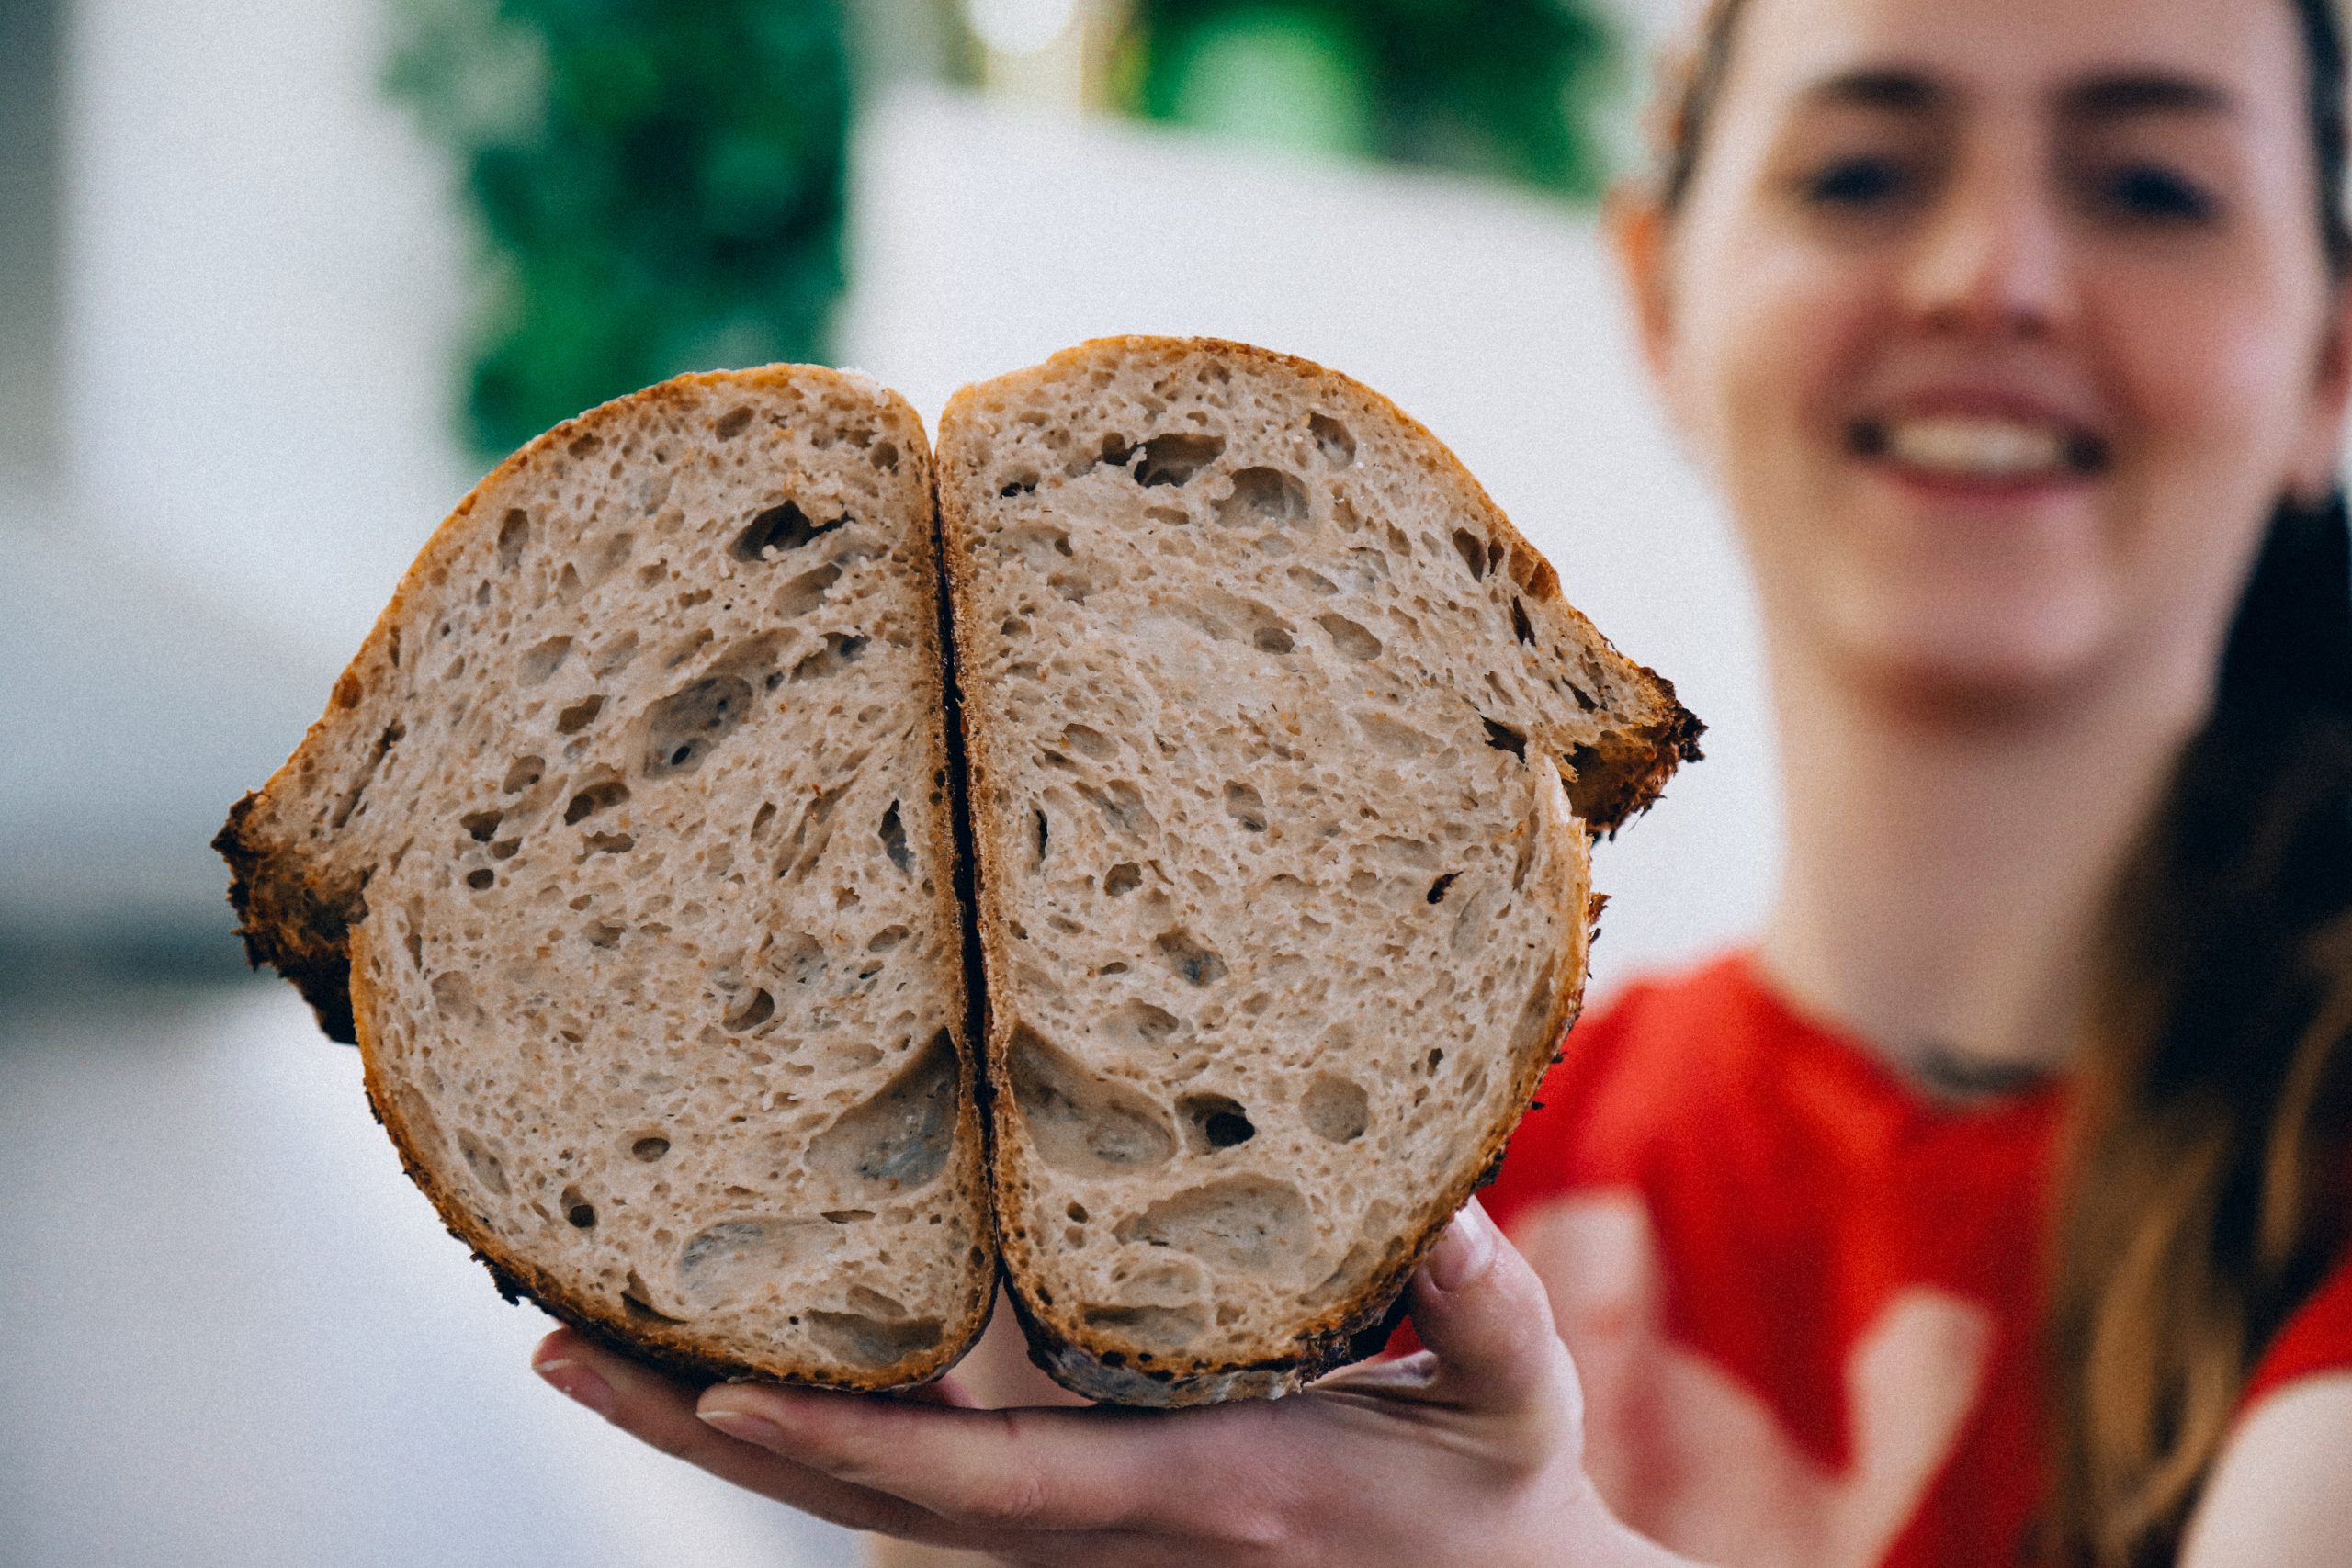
1978	449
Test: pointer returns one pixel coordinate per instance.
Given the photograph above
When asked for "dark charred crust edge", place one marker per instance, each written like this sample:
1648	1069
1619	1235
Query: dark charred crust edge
307	933
1633	766
286	924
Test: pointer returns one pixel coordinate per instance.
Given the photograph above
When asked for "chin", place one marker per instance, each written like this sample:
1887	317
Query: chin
1978	656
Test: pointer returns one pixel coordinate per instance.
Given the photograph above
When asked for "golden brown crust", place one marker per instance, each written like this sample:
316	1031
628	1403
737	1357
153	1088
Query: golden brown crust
1625	781
310	923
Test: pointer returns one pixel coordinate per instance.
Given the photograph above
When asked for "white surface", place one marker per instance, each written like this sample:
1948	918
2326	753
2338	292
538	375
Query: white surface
263	283
232	1334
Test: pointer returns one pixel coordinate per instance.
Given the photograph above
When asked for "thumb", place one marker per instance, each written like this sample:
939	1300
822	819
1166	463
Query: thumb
1479	1307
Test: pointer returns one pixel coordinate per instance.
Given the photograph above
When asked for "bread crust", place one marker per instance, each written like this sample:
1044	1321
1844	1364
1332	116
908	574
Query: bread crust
310	923
1622	779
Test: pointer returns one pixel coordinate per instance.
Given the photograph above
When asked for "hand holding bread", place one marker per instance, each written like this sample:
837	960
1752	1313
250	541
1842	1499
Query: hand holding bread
1467	1452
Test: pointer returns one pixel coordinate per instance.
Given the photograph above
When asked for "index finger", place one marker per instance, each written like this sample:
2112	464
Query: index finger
1041	1469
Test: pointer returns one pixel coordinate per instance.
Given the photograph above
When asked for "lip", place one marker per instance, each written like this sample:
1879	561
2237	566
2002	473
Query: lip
2088	450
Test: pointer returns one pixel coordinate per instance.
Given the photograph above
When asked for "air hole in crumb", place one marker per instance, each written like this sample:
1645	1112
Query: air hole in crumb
805	592
1519	623
752	1011
1089	741
1337	441
886	939
578	1209
1143	1021
894	840
614	659
1121	803
595	798
885	456
731	423
1264	496
1194	962
873	1341
1473	552
902	1136
845	1216
650	1148
1252	1224
1503	737
1077	1213
778	529
837	655
544	659
610	844
1079	1121
682	729
479	880
1124	877
579	715
1335	1108
1437	888
1272	639
1174	459
1349	637
488	1168
1215	1122
514	537
1043	830
1434	1060
1245	805
480	826
763	817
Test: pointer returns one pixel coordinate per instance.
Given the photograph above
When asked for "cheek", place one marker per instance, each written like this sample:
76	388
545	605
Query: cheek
1766	345
2217	380
2220	385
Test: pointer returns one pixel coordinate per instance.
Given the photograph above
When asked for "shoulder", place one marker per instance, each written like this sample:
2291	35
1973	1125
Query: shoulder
2315	1341
2277	1496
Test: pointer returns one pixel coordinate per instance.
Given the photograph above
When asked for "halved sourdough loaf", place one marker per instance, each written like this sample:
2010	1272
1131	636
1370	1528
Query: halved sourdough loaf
625	851
1285	750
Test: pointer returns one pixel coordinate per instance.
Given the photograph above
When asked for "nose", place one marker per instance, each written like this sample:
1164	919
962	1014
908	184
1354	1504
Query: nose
1992	260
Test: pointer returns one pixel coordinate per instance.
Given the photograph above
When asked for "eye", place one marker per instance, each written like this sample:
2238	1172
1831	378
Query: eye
2151	193
1858	184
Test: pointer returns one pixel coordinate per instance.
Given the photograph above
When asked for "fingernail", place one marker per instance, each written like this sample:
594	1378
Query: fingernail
576	1383
1466	1249
745	1428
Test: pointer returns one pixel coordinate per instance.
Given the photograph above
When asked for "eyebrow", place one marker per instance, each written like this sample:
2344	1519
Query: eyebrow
1909	92
2120	95
2126	95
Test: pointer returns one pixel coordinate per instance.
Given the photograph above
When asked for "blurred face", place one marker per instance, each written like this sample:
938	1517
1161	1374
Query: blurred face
2004	324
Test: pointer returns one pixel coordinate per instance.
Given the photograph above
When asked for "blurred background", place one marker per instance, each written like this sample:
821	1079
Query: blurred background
280	278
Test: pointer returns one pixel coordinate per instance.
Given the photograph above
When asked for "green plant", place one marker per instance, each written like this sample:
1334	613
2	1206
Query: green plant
658	186
1505	88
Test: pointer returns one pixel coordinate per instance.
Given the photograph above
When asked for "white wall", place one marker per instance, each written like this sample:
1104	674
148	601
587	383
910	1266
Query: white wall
264	281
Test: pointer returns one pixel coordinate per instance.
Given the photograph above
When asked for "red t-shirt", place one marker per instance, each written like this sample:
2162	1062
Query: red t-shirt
1804	1300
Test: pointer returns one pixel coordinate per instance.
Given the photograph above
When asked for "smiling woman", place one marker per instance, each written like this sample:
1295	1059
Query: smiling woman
1993	1207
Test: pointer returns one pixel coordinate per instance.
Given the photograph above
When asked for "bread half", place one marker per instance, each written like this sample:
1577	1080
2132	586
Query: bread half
1284	756
625	851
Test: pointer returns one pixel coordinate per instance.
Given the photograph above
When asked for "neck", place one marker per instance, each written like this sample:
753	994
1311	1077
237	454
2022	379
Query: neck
1948	871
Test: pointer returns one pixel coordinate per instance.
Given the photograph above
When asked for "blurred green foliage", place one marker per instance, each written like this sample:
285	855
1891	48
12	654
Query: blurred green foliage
1505	88
658	184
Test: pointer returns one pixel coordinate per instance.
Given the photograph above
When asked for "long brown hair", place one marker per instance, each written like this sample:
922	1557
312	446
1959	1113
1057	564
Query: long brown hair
2207	1165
